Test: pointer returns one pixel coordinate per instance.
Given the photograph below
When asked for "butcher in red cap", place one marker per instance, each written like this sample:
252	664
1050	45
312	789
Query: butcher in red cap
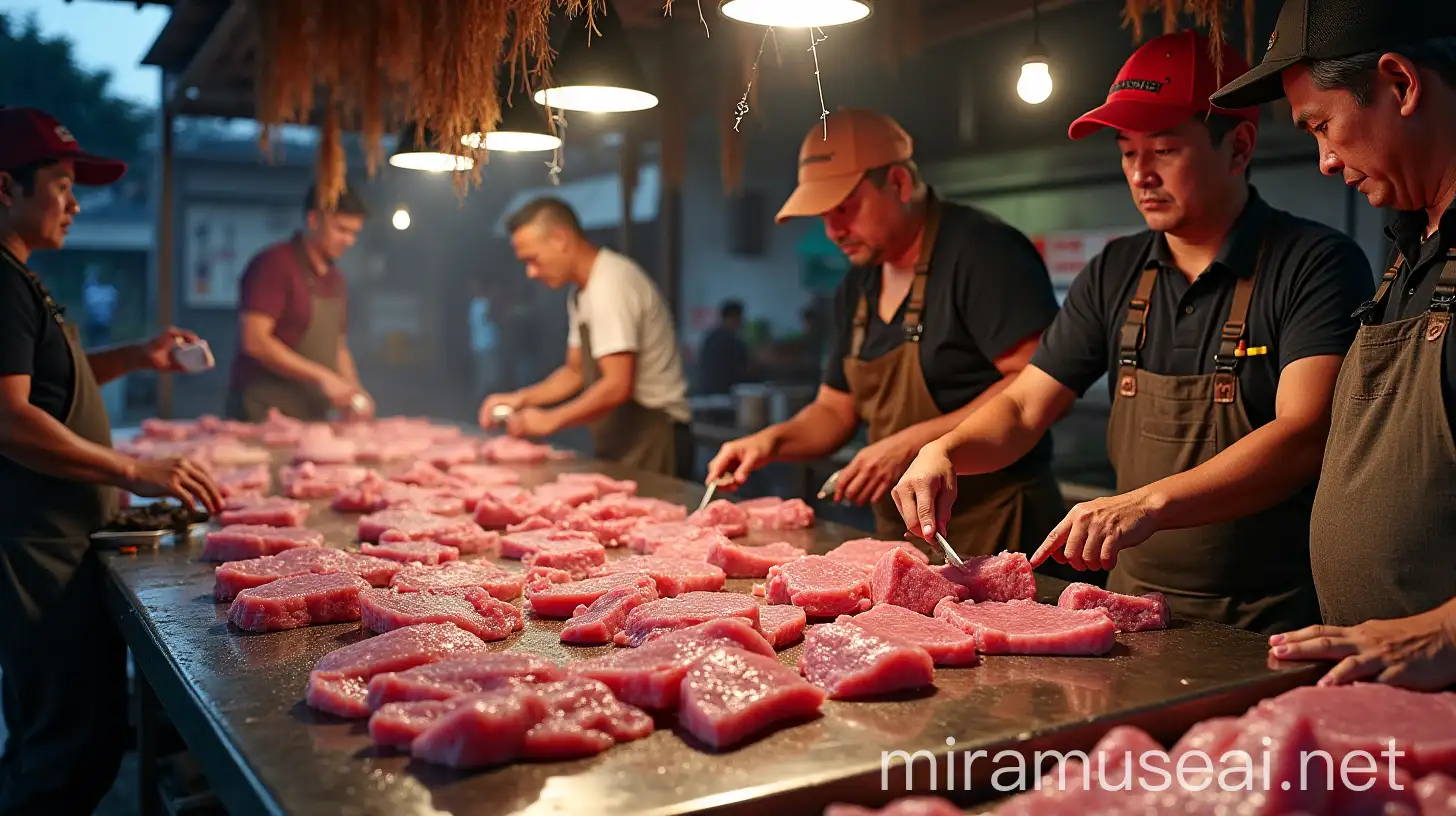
1220	330
62	660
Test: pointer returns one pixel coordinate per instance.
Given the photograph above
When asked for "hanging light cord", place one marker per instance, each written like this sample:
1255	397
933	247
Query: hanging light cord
741	110
558	156
814	40
1036	24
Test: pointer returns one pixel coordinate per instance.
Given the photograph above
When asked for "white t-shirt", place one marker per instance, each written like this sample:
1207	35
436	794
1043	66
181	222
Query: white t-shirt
623	312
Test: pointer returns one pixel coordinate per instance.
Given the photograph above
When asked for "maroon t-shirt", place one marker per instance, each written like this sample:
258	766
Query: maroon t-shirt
275	284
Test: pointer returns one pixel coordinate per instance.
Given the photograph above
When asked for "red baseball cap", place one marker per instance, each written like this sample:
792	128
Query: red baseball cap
1163	83
28	135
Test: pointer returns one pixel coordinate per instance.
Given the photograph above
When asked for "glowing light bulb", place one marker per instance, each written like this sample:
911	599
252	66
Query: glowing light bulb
1035	85
401	219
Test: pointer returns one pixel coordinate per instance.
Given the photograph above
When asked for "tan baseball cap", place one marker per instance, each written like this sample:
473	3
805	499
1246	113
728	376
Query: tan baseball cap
832	165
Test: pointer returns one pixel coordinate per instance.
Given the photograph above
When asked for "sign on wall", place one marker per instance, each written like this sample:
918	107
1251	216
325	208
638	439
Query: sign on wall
217	243
1067	253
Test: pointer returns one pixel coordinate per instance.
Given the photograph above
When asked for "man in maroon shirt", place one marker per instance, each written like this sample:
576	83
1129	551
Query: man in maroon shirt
293	353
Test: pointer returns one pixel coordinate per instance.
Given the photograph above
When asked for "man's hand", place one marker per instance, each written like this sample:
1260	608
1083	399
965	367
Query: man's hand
1418	652
741	457
875	469
927	491
156	354
339	391
1092	534
180	479
532	422
514	401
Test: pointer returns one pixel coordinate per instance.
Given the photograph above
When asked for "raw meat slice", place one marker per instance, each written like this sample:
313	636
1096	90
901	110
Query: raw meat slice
500	507
1112	782
481	730
778	514
466	537
325	451
1005	576
781	625
599	623
1028	627
847	662
236	542
471	608
686	550
865	553
583	718
485	475
1437	795
235	576
620	506
395	725
729	695
310	481
611	532
1367	716
738	561
229	453
301	600
339	683
651	676
1129	613
412	552
457	676
1211	737
502	585
947	645
451	453
271	511
413	524
570	494
519	545
386	451
508	450
547	599
650	535
579	558
532	524
421	473
903	580
431	500
823	587
361	498
602	483
545	576
729	519
674	576
656	618
908	806
233	481
168	429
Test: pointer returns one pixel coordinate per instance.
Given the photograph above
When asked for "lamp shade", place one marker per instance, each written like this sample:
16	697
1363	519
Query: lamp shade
597	73
523	128
412	152
796	13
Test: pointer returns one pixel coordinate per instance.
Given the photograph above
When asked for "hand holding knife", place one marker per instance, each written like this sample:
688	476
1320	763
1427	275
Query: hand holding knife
713	486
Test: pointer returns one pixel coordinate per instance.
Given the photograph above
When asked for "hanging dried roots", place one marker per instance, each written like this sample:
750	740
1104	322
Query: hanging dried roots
1207	14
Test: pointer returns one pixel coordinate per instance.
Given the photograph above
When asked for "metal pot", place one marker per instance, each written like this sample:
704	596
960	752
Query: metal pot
750	401
784	401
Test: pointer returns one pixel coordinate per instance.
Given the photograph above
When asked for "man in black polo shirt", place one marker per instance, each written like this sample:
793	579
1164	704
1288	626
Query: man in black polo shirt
1221	329
941	312
1375	84
62	661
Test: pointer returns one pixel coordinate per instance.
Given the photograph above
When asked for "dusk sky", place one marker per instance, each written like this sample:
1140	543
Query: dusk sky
109	35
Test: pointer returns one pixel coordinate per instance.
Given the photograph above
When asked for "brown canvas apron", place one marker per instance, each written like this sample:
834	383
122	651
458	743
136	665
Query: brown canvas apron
319	344
632	434
1253	572
1383	532
997	511
63	662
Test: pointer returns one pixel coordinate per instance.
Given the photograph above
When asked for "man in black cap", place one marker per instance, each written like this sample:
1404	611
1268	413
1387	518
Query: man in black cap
1374	81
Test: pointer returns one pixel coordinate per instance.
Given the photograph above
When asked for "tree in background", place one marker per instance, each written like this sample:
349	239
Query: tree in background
41	72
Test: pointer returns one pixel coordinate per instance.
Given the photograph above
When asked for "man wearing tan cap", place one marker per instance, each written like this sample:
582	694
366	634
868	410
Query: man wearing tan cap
941	311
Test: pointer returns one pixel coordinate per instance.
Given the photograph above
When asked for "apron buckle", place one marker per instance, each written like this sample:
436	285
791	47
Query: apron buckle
1225	365
1442	301
913	333
1224	387
1127	385
1366	313
1436	326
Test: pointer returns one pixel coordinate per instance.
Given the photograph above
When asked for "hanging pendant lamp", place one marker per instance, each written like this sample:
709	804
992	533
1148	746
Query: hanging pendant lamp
597	72
1035	84
413	153
523	128
796	13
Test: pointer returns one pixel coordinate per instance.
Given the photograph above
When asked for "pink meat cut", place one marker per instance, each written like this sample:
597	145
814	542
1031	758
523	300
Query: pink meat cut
412	552
651	676
302	600
451	453
577	558
468	673
502	585
310	481
602	483
821	586
686	550
413	524
778	514
569	494
947	645
339	683
781	625
1005	576
550	599
233	481
1030	628
647	537
848	662
519	545
235	576
908	806
270	511
508	450
729	696
1129	613
727	517
532	524
674	576
472	609
325	451
602	621
738	561
656	618
236	542
903	580
421	473
865	553
485	476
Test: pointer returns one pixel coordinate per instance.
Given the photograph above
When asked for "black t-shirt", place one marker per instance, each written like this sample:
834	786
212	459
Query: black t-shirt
1410	294
722	361
31	342
987	290
1312	279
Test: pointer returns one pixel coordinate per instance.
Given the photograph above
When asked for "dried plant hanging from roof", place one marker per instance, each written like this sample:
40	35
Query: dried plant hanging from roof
1209	14
381	63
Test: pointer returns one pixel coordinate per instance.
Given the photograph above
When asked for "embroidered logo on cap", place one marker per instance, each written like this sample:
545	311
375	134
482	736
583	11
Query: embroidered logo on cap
1149	85
63	134
819	159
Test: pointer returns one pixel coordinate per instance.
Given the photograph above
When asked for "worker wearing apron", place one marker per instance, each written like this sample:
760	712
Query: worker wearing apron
623	375
1220	332
62	661
1381	531
976	297
293	355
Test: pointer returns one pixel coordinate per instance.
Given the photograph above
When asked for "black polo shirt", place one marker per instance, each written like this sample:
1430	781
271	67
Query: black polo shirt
1312	279
987	290
1410	294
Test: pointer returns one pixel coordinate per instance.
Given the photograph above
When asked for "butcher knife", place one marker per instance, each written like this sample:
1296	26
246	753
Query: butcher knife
950	554
713	488
829	485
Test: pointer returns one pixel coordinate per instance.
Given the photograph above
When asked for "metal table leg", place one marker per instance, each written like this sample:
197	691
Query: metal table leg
148	762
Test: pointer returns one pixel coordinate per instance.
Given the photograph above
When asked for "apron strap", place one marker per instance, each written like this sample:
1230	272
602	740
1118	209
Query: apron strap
1226	361
1134	333
861	321
1366	313
37	286
915	309
1443	298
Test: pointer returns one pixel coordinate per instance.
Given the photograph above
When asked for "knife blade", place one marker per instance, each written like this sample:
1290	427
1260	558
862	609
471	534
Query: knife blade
950	554
829	485
713	488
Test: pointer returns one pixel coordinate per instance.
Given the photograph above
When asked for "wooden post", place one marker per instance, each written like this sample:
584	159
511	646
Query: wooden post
630	155
674	114
165	244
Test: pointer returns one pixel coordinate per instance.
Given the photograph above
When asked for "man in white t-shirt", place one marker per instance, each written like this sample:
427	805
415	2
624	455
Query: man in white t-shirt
623	374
